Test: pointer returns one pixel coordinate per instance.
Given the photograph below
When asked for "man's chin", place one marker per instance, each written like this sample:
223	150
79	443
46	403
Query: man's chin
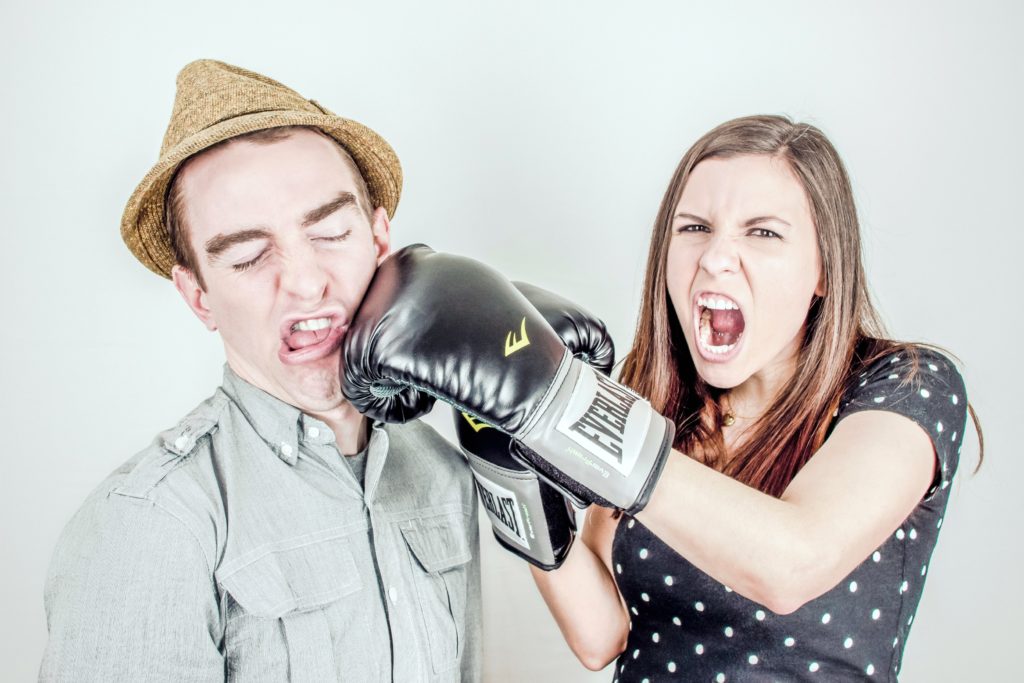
314	385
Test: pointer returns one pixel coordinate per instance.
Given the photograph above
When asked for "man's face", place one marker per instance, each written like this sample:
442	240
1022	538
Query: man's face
286	252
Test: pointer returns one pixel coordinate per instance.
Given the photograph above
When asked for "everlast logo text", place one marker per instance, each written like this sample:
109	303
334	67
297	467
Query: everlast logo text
604	423
503	509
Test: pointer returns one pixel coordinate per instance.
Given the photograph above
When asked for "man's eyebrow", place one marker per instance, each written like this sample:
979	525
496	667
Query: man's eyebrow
321	212
216	245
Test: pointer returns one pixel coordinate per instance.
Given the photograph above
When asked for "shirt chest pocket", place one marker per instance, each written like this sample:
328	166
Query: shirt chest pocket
287	616
440	552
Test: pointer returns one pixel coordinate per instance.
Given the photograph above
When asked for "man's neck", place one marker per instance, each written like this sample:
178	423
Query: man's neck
351	430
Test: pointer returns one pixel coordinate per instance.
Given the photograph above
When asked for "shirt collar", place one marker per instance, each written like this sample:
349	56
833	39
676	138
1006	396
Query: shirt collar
281	425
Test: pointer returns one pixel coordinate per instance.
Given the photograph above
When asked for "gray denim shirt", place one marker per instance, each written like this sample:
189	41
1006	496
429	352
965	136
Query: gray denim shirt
239	546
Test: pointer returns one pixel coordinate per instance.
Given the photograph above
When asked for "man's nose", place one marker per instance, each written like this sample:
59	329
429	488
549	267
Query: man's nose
721	255
302	275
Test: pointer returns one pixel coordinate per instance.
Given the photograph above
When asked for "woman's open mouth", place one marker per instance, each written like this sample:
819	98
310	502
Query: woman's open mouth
719	326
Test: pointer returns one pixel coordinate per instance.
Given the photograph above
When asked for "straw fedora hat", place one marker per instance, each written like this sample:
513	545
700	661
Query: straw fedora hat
216	101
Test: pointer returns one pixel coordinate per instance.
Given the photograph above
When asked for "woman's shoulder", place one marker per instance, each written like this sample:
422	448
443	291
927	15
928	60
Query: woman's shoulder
903	369
919	382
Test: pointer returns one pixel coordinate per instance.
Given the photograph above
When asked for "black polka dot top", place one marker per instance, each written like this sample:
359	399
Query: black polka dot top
686	626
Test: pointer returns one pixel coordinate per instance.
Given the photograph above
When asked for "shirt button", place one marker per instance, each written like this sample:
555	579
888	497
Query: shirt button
313	432
393	594
286	449
180	443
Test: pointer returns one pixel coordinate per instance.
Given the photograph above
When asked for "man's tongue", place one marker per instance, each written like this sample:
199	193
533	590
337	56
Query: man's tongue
726	326
302	338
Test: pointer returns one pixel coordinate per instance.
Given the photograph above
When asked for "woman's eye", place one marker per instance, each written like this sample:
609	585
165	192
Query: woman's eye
764	232
695	227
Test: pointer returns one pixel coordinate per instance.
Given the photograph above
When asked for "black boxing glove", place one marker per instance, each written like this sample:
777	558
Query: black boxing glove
529	517
456	329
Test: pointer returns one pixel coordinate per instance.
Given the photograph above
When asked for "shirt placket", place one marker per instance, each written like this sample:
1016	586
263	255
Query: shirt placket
390	558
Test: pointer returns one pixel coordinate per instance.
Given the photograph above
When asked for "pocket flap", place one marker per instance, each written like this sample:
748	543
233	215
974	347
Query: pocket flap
439	542
301	578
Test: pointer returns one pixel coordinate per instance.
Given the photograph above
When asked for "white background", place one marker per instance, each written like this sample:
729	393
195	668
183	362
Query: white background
537	137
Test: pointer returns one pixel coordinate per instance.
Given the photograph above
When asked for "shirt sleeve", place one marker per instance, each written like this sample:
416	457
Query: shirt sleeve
130	597
925	386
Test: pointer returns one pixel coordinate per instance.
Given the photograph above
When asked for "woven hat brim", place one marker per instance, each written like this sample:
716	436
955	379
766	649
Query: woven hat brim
142	224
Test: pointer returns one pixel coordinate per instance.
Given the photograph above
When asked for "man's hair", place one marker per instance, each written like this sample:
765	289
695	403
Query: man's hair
174	204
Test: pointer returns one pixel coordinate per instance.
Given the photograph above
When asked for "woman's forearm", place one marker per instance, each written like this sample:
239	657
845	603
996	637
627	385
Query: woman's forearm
748	540
585	602
782	552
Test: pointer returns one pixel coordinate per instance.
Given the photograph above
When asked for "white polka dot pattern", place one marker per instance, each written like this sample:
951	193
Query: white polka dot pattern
853	630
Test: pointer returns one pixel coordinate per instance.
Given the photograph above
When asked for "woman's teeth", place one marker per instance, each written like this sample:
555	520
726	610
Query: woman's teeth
311	325
717	304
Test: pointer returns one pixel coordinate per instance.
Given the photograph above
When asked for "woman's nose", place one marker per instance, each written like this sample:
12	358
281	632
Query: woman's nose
720	255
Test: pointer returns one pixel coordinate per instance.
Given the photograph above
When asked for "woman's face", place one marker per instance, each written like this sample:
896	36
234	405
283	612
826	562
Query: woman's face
743	266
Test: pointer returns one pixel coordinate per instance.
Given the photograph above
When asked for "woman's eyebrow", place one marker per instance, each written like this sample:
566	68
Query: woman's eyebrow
761	219
692	217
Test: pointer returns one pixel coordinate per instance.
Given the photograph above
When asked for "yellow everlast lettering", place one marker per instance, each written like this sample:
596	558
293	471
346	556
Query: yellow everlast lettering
476	425
513	343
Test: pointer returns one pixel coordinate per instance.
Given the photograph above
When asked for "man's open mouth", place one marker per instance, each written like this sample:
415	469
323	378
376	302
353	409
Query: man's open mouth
719	324
311	339
307	333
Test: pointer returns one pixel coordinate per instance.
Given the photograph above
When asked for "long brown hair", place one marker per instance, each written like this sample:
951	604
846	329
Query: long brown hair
843	332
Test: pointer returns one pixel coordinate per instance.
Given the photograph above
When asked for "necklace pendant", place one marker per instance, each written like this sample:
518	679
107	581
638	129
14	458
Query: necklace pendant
728	420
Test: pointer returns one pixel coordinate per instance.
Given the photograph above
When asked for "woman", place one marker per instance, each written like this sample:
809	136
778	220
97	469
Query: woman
790	532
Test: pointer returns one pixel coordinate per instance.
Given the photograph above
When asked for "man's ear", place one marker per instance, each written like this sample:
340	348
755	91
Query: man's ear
381	229
186	284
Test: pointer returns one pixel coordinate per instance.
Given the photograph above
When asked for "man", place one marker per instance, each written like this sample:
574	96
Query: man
273	534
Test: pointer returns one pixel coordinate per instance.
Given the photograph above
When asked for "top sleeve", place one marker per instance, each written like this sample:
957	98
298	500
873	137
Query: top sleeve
925	386
130	597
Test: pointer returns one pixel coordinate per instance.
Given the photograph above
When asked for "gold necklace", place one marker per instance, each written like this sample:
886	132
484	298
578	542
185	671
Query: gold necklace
729	417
